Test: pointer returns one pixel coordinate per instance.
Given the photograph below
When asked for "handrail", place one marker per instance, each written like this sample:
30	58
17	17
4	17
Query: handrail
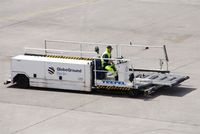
118	48
58	50
104	44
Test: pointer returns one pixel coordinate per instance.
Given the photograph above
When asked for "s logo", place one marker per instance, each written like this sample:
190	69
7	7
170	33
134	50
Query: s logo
51	70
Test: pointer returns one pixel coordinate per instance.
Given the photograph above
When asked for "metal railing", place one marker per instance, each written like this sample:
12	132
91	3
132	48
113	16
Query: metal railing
57	52
162	61
82	51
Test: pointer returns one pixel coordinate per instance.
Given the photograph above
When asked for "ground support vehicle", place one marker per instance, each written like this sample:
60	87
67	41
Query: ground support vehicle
81	70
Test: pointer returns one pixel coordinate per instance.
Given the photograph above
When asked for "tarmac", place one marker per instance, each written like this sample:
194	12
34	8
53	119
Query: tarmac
174	23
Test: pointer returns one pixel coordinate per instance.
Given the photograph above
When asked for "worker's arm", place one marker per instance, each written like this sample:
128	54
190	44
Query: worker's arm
106	60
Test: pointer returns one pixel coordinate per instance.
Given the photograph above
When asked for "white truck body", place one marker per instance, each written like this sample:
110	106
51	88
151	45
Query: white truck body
53	72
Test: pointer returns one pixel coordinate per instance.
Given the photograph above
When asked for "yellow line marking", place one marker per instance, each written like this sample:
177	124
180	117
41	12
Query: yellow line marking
49	10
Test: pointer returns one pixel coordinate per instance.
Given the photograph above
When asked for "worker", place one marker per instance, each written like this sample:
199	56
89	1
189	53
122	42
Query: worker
107	63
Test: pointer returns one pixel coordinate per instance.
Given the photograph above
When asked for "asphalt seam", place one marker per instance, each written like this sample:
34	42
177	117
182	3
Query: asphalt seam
13	24
193	4
29	16
168	18
186	64
101	113
82	105
32	105
70	109
147	131
161	129
159	21
127	116
51	117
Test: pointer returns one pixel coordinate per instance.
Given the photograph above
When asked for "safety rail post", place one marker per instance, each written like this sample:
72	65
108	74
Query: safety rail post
95	75
116	50
45	47
81	48
166	56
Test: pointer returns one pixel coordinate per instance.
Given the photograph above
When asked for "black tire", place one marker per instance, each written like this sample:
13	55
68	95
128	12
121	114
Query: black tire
22	81
133	93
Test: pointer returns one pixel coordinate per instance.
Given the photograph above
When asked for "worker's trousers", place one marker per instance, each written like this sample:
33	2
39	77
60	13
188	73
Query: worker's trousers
112	69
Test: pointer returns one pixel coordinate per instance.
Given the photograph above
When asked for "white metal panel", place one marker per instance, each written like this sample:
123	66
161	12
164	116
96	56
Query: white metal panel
59	84
28	67
88	76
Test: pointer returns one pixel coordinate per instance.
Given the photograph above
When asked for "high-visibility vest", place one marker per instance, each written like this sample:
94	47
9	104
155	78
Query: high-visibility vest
105	53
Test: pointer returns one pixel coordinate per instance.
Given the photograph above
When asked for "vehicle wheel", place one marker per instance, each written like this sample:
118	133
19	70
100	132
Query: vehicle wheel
133	93
22	81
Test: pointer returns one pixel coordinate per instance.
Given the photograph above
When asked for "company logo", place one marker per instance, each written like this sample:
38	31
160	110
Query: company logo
61	69
113	82
51	70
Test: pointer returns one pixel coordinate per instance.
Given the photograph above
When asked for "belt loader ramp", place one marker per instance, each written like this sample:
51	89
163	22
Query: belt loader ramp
81	69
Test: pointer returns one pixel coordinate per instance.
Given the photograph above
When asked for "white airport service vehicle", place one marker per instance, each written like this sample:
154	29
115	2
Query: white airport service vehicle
79	68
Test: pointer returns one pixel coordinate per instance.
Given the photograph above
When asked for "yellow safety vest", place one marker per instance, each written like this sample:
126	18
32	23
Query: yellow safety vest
107	53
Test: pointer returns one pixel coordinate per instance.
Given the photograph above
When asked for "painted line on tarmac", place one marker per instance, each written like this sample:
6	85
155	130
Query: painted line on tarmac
48	10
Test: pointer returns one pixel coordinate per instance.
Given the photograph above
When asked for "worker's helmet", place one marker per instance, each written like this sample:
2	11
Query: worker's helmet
109	47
